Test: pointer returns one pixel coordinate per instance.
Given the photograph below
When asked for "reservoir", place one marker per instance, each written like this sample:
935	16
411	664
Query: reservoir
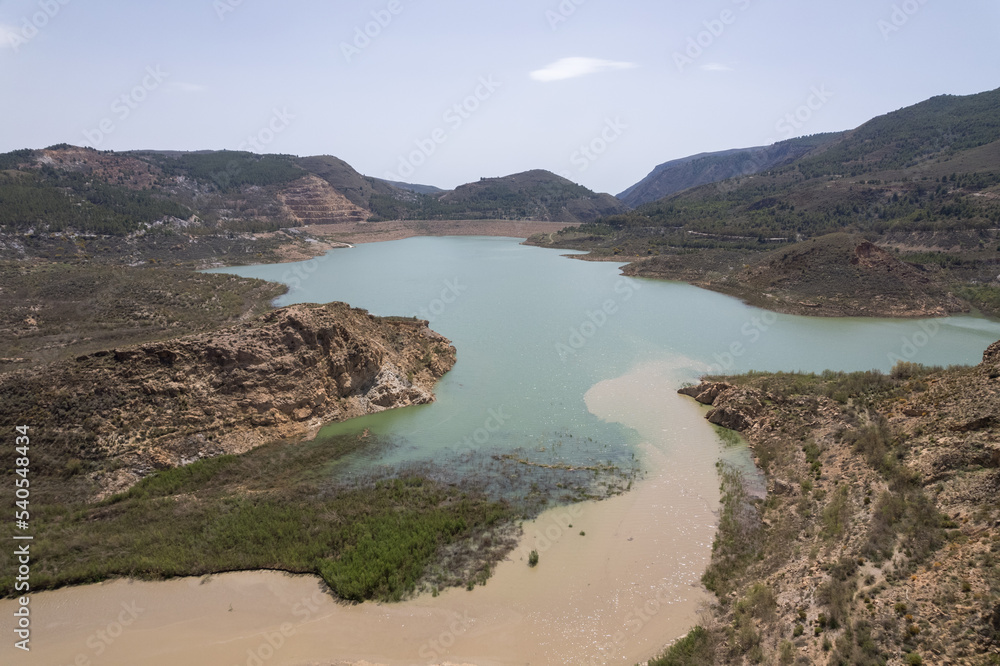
535	331
560	361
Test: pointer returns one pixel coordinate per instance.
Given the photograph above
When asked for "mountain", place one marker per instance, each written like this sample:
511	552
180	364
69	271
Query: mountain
901	139
81	190
538	195
924	180
705	168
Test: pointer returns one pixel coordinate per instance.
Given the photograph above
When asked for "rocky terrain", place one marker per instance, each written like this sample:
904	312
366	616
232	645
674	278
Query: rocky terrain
115	416
836	275
878	540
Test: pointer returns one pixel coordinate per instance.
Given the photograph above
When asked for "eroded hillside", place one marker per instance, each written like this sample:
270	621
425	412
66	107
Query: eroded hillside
878	541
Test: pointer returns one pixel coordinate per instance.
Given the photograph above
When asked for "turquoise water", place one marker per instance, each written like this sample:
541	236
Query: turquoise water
535	330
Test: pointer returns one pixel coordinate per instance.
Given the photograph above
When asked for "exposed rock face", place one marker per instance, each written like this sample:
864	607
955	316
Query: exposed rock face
706	393
312	200
991	361
734	407
164	404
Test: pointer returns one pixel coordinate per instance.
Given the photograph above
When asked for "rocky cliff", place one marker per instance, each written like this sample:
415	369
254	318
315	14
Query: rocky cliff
878	542
120	414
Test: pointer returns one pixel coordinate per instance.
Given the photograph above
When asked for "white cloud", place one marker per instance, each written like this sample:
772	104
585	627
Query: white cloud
181	86
570	68
717	67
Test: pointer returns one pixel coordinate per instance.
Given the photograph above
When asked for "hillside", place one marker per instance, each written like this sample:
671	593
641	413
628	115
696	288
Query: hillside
202	206
877	541
924	180
704	168
834	275
538	195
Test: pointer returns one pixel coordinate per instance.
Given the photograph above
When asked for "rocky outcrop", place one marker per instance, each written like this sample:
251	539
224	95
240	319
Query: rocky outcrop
991	361
733	407
283	375
706	392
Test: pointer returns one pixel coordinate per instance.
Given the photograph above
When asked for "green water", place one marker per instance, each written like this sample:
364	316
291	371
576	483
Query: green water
535	330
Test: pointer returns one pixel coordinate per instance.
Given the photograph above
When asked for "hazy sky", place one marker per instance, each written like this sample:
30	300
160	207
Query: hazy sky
444	92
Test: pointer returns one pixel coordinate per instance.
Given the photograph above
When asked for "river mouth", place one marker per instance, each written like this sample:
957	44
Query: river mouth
612	595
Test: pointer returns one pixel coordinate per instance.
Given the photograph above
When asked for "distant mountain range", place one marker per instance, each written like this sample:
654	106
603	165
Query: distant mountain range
923	181
704	168
66	187
932	166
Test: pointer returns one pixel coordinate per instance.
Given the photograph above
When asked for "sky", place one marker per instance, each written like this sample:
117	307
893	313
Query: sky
444	92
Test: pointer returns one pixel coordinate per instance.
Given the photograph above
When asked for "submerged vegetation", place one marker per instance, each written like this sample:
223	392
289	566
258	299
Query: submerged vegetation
271	509
294	506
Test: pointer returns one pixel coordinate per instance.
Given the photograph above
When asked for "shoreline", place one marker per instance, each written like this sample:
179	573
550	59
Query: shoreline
634	588
331	236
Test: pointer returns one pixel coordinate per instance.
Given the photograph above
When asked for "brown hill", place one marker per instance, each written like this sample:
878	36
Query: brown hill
842	273
123	413
834	275
878	540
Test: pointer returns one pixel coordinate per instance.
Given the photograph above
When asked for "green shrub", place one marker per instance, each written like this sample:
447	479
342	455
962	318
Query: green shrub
695	649
786	654
759	603
837	514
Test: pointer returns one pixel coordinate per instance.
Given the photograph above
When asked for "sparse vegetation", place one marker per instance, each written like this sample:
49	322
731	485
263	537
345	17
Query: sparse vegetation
54	311
875	512
695	649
